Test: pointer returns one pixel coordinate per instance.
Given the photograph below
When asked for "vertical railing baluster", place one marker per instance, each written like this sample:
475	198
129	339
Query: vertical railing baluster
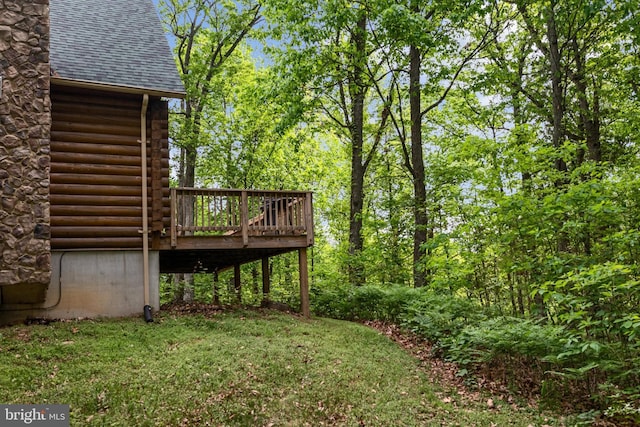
203	198
217	207
233	199
294	212
208	210
236	210
198	208
230	212
272	211
292	202
220	211
288	221
245	218
174	239
308	218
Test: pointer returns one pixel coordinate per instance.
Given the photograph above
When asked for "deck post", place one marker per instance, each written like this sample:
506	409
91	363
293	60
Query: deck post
266	280
216	288
244	217
304	282
237	285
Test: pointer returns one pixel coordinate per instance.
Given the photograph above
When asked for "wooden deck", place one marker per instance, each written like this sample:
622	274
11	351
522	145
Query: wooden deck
212	230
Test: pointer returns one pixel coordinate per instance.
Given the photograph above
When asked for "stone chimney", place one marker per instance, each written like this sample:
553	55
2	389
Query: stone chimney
25	126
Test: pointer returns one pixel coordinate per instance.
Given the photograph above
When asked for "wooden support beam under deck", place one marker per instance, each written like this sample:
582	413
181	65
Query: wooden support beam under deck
266	280
304	282
232	242
237	284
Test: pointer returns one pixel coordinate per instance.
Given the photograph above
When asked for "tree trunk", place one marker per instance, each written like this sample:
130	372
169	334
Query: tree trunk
527	186
357	92
557	112
189	288
589	115
417	160
556	87
520	299
393	274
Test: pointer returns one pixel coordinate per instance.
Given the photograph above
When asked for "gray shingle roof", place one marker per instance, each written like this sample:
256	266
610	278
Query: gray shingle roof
113	42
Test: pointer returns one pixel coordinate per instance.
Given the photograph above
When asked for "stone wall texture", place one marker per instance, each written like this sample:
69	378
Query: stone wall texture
25	125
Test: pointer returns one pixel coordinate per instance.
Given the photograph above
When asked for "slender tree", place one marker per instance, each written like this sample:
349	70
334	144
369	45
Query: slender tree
427	31
330	58
206	34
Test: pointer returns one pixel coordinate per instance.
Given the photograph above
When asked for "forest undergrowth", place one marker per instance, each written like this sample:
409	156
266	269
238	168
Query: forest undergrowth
534	363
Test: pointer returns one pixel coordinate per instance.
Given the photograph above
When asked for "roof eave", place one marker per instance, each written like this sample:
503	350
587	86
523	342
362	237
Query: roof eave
63	81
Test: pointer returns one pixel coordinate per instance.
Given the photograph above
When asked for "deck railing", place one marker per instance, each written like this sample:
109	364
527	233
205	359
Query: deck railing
209	212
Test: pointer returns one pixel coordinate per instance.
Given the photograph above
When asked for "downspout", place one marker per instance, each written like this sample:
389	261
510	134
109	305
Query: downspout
145	213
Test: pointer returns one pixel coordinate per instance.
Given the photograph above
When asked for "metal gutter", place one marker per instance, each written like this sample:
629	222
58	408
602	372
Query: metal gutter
62	81
145	208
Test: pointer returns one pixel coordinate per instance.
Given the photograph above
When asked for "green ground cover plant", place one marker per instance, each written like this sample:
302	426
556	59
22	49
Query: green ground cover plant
253	368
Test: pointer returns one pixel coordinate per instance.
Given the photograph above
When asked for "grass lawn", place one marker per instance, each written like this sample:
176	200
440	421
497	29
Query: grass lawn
243	368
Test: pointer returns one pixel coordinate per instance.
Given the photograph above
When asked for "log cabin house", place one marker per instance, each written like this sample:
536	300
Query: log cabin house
87	218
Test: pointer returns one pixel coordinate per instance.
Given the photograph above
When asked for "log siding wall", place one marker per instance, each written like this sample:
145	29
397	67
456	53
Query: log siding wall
96	174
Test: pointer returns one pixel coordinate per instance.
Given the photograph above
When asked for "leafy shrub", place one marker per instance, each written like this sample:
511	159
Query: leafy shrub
506	336
330	302
362	303
599	305
397	301
436	316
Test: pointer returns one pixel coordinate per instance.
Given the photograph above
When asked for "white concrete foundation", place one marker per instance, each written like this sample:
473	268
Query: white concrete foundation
93	284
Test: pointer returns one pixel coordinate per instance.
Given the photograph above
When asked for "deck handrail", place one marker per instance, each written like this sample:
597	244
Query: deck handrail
232	212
